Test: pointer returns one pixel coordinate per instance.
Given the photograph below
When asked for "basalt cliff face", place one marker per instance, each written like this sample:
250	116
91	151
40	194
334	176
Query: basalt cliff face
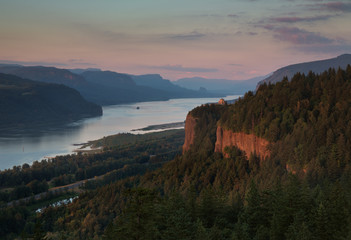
248	143
190	124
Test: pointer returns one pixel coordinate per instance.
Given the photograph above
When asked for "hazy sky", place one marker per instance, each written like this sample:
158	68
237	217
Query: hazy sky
233	39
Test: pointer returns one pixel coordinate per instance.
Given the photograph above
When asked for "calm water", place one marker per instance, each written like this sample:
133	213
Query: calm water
31	145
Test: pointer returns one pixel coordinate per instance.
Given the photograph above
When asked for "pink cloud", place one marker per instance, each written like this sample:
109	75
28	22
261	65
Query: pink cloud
297	36
180	68
333	6
232	15
300	19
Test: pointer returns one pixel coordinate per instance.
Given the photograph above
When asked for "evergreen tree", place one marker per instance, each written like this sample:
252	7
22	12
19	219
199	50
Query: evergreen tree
138	221
39	234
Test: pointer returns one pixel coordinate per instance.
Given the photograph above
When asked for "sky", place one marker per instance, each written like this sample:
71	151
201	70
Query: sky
231	39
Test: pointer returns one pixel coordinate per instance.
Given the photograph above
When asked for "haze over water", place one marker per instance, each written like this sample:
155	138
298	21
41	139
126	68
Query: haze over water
18	148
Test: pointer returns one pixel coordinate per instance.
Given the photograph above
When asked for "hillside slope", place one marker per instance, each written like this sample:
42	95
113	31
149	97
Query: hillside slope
223	86
92	92
25	102
122	88
316	66
157	82
300	189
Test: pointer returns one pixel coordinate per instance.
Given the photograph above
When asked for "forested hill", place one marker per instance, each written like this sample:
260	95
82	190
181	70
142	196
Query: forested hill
28	103
316	66
308	120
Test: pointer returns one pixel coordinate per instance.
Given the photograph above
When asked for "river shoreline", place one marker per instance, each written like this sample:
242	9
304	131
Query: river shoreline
30	145
164	126
88	147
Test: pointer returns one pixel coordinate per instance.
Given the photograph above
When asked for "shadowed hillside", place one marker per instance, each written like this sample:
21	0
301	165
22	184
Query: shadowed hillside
25	102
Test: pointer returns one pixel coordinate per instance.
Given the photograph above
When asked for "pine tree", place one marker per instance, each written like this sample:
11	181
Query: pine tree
39	234
252	216
138	221
321	222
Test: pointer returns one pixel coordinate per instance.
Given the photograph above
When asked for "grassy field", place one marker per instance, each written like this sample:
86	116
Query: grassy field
125	139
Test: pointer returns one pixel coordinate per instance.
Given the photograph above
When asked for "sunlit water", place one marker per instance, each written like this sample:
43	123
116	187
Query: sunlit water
27	146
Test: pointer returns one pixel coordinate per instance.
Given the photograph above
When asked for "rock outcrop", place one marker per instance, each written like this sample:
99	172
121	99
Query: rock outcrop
248	143
190	124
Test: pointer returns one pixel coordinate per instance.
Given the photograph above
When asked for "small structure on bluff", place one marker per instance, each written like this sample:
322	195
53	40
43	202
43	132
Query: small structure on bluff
222	102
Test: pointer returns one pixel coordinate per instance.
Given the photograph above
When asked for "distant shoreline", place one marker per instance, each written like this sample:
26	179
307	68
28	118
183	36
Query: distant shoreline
88	148
161	126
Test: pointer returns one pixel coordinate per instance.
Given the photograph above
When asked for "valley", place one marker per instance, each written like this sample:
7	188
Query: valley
243	169
19	146
175	120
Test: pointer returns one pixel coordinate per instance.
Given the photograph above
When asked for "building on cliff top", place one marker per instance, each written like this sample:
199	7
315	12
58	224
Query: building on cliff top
222	102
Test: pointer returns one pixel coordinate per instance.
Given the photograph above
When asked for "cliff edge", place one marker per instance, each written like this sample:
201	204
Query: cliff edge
248	143
190	124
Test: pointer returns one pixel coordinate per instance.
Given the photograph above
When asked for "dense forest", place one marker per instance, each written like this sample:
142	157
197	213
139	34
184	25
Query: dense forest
123	155
302	191
307	119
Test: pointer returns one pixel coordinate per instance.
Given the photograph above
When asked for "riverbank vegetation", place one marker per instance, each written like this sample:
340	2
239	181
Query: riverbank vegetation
124	155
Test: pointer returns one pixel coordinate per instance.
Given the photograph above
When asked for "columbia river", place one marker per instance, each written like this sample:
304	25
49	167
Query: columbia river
17	148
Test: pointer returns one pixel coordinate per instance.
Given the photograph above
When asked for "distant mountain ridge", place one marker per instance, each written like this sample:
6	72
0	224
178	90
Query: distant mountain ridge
315	66
91	92
155	81
223	86
173	90
46	74
26	103
81	70
109	79
120	88
106	87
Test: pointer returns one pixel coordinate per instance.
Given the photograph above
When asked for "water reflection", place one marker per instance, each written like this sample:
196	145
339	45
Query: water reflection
25	146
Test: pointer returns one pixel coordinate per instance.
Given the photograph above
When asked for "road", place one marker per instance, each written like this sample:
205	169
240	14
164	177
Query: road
54	190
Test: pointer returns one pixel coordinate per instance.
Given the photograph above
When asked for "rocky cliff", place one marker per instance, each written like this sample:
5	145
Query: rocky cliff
248	143
222	138
190	124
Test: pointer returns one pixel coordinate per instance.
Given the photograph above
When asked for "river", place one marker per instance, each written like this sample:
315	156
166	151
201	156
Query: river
17	148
